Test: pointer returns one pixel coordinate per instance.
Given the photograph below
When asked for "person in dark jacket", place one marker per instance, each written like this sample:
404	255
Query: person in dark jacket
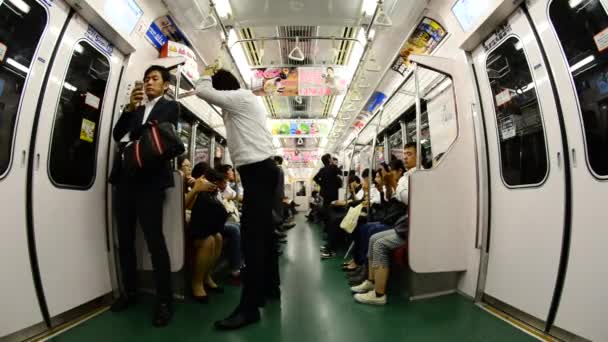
206	225
141	193
329	181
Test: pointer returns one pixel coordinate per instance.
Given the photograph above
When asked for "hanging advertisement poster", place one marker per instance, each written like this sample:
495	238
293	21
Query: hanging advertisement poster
164	29
173	49
423	41
300	156
275	82
375	101
321	81
299	128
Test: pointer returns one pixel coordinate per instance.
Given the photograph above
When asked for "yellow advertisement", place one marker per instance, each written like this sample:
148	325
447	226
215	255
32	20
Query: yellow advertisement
423	41
87	130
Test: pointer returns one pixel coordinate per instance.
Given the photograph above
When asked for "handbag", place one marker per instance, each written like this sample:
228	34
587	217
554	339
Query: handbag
349	222
158	143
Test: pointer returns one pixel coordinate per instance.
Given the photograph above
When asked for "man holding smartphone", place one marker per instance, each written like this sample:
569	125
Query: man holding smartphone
141	194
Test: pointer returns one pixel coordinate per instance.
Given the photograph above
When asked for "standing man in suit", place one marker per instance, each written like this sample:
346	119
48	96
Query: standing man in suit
141	194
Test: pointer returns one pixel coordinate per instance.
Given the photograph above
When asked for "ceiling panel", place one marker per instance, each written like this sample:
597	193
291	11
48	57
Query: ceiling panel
297	12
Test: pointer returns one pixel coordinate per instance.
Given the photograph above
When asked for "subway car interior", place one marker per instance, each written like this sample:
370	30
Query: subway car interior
485	120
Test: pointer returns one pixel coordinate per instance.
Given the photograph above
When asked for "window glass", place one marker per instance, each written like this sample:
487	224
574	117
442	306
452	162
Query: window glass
185	132
203	142
582	28
21	26
73	157
521	136
395	144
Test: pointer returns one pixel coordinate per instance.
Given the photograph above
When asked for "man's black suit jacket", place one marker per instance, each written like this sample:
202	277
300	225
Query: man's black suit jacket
131	122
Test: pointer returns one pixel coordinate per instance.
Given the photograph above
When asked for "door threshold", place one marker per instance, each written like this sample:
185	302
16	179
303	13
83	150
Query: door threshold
80	315
528	329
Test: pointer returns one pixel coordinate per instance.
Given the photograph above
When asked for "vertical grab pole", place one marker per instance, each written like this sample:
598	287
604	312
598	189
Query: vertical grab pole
350	165
418	117
178	79
373	159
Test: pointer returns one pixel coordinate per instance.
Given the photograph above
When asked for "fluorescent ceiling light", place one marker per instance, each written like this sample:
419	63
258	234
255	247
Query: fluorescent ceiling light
518	45
78	48
582	63
17	65
368	7
223	8
574	3
70	87
239	57
21	5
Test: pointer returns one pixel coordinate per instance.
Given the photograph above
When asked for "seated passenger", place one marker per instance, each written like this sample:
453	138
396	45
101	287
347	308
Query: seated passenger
208	219
395	208
185	168
337	212
232	230
316	205
381	245
383	241
231	192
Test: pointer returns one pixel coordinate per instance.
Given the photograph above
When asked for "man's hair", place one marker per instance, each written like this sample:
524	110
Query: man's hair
278	160
365	173
397	164
224	80
214	176
200	169
224	168
355	179
164	72
410	145
326	159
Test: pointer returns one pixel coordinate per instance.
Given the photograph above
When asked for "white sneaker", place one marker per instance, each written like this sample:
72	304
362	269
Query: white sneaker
363	287
370	298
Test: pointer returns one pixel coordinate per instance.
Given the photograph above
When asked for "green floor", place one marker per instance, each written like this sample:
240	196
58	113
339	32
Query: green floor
316	306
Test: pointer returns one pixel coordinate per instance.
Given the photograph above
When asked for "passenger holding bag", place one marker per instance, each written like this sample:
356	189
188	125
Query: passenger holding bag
141	189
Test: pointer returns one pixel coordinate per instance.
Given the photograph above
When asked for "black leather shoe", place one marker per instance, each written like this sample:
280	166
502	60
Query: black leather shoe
162	315
238	320
122	303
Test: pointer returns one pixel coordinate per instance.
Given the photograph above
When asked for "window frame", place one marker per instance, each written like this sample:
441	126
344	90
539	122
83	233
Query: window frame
99	124
540	109
26	84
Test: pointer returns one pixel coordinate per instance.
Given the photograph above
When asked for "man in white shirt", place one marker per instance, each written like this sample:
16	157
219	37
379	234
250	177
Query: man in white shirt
401	192
251	148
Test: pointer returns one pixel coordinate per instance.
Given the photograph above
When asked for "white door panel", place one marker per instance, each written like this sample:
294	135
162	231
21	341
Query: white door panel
584	303
38	30
69	183
527	178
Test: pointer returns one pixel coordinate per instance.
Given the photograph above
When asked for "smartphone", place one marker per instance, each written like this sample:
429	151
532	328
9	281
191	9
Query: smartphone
139	85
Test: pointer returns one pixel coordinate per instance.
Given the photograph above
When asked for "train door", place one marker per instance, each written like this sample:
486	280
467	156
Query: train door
29	30
527	176
574	35
69	171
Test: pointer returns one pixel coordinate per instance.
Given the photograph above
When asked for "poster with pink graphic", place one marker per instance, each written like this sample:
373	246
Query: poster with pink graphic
324	81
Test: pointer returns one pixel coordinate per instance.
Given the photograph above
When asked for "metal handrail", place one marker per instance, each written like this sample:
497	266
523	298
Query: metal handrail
294	38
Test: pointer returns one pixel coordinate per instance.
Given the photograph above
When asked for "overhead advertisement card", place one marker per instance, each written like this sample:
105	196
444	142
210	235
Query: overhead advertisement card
299	128
423	41
324	81
304	81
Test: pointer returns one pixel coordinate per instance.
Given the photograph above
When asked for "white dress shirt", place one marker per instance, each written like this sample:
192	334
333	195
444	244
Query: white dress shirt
401	193
147	110
247	135
374	195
